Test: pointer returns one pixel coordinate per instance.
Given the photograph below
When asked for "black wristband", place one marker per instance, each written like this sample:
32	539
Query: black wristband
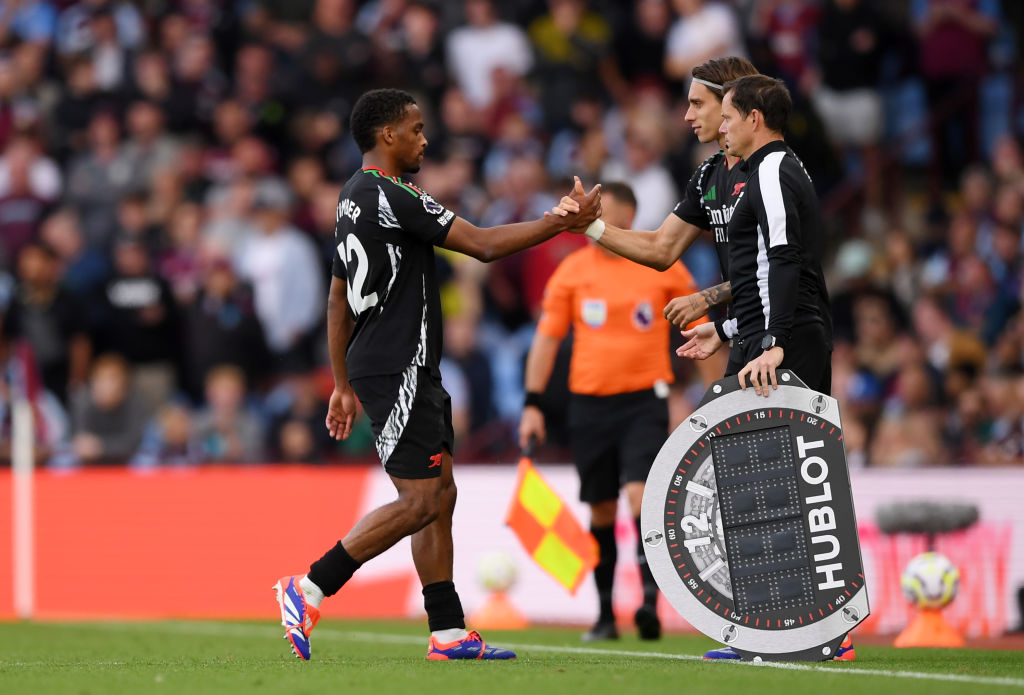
720	329
533	398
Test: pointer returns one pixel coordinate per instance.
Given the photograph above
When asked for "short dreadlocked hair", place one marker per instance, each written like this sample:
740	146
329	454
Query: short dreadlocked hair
376	109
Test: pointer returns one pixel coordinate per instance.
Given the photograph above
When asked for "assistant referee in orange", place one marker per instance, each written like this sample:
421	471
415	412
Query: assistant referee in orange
619	378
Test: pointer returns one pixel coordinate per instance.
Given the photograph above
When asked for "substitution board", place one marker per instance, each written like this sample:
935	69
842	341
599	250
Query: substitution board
749	526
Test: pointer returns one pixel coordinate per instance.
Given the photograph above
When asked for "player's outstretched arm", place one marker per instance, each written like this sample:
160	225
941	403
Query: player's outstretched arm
658	249
682	311
491	243
341	411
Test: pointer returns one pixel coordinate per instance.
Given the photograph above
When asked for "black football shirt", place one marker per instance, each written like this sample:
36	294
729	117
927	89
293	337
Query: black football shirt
710	198
385	233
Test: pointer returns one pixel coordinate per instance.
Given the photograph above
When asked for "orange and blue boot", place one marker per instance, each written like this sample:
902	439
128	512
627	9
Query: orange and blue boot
298	617
472	646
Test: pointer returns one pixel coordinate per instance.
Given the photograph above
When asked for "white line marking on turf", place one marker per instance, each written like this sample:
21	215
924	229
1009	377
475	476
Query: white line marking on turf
357	636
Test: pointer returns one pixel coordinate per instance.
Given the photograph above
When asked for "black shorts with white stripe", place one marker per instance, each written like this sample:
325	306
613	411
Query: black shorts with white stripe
411	416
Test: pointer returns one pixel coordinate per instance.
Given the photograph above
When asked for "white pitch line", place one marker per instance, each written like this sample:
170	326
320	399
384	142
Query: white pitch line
357	636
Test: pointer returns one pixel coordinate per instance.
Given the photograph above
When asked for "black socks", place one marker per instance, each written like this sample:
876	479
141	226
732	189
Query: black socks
332	570
604	573
444	609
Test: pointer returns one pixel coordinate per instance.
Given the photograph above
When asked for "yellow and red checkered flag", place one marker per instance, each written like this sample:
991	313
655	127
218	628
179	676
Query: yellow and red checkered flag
548	530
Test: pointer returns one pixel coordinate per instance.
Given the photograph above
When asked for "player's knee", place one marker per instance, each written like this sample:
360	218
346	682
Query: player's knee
449	493
422	508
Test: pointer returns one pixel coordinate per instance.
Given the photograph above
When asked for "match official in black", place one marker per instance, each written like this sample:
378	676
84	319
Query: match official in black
780	303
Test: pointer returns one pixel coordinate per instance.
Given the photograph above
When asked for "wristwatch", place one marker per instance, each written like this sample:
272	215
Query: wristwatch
768	341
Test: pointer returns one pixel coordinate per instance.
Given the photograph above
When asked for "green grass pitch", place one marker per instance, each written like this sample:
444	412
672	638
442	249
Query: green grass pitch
195	658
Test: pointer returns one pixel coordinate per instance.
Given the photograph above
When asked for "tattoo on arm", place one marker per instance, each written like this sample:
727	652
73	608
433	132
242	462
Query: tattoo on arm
719	294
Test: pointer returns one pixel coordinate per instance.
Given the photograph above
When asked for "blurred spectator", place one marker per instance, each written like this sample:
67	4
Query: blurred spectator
82	268
140	322
282	265
169	440
850	43
108	50
572	45
37	174
284	23
461	344
705	29
108	417
337	59
226	429
297	431
220	327
48	318
199	82
483	45
643	167
21	208
181	263
74	27
99	177
944	345
32	21
422	52
640	46
149	148
953	37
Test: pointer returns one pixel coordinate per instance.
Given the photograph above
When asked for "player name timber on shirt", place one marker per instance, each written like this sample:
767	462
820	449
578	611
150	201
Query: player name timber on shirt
710	199
385	231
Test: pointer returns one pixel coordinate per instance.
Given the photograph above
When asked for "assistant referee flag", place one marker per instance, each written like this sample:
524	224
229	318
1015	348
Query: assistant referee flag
548	530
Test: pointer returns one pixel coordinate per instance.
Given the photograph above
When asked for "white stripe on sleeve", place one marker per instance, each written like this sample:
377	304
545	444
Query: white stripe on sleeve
771	194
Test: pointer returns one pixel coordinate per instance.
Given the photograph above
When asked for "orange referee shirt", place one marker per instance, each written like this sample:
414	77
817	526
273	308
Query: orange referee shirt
620	335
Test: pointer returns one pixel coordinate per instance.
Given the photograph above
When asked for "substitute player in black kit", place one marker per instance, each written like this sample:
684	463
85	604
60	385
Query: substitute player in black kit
781	308
384	335
707	204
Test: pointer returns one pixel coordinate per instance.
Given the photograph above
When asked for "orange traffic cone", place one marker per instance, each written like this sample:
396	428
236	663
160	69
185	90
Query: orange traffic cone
498	613
929	629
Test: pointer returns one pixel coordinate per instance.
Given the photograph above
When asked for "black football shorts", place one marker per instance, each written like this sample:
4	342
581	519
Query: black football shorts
614	440
411	416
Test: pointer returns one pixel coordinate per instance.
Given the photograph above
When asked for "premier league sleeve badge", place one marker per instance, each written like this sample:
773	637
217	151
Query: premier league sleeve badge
749	525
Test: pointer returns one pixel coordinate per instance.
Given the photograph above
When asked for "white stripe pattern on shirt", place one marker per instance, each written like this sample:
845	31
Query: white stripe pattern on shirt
398	418
395	254
771	196
420	359
385	215
762	276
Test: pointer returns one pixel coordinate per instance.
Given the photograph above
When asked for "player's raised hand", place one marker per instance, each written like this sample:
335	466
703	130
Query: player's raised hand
682	311
341	412
589	206
566	206
701	342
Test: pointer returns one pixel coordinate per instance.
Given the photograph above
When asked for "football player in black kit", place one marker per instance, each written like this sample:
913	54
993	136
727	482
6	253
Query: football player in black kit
706	205
384	337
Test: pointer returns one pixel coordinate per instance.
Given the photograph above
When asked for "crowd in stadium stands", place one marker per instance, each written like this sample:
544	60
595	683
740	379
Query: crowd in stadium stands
169	174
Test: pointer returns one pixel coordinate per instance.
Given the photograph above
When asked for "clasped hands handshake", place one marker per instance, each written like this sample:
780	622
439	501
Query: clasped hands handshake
580	209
